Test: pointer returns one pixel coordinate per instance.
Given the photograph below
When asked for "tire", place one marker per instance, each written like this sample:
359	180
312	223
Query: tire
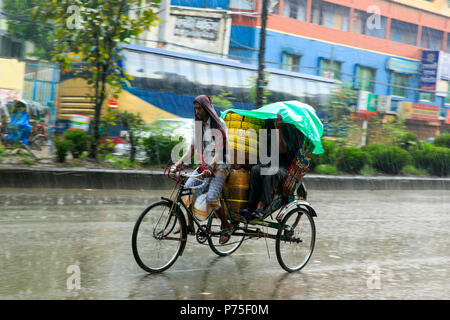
213	229
294	247
156	255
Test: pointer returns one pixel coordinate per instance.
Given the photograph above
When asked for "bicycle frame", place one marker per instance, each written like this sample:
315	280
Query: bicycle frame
253	231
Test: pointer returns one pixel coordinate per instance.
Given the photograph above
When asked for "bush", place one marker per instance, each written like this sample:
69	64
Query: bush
442	140
436	160
411	170
326	169
372	150
368	170
330	155
77	142
408	141
390	160
62	147
159	148
352	160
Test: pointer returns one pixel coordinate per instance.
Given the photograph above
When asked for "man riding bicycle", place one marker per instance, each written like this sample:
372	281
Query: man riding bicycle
210	145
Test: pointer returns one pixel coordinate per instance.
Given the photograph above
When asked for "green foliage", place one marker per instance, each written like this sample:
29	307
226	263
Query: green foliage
330	155
26	159
372	151
253	89
326	169
21	26
338	109
159	148
223	100
442	140
368	170
352	160
134	125
77	142
387	133
96	33
2	150
62	147
407	141
436	160
411	170
391	159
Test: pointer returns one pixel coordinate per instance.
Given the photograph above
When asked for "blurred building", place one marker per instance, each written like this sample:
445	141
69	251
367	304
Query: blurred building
10	47
395	53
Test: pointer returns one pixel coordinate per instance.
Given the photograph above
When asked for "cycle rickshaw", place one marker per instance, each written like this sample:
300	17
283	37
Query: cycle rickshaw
160	233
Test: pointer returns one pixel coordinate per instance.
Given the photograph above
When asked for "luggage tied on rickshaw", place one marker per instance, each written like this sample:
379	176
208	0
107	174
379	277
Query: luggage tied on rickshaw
238	122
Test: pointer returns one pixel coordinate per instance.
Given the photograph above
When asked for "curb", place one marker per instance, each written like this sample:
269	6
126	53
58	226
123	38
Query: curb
83	178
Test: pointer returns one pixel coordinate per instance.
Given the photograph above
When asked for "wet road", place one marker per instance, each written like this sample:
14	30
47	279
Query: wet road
60	244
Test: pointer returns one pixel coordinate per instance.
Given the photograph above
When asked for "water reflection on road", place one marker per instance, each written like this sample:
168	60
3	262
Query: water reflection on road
370	245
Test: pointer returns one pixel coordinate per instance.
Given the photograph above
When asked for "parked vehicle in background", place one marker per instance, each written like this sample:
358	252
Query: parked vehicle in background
174	128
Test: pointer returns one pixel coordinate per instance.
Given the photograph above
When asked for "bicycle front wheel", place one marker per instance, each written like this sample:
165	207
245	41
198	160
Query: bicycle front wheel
214	228
295	240
159	237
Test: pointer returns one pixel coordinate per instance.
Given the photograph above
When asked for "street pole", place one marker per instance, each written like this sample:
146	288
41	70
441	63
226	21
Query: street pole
262	48
164	15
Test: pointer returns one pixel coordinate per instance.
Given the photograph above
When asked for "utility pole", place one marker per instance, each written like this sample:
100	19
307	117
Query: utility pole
164	15
260	83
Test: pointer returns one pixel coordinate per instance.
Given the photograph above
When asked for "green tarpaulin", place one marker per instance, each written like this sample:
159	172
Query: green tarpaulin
301	115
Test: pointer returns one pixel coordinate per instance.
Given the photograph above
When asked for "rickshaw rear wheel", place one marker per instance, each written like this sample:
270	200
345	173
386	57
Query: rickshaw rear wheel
295	240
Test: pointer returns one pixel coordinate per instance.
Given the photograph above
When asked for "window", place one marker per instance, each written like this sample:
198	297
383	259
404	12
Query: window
403	32
291	62
399	80
426	96
241	4
330	15
431	39
364	78
448	42
363	24
295	9
330	69
274	6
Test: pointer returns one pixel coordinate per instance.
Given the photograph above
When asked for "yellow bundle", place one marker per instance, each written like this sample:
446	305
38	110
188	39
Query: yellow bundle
243	133
245	140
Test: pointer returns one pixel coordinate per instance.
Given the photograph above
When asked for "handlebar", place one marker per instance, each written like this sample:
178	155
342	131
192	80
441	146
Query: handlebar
175	174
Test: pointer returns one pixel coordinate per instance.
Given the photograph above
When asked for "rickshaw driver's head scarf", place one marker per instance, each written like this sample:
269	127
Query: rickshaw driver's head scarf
206	103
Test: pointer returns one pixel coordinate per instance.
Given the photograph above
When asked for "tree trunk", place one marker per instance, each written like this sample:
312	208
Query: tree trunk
99	98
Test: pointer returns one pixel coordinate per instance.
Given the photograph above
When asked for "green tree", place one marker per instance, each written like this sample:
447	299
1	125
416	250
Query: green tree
338	109
223	100
134	125
22	26
252	92
95	30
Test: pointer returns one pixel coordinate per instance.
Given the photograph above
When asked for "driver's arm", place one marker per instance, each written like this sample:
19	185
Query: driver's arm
186	156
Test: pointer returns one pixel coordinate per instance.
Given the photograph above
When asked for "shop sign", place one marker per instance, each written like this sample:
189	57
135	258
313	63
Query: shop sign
79	122
403	66
384	103
429	70
448	117
419	111
367	101
444	65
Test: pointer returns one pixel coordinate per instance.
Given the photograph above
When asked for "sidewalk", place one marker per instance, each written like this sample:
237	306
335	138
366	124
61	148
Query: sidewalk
83	178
